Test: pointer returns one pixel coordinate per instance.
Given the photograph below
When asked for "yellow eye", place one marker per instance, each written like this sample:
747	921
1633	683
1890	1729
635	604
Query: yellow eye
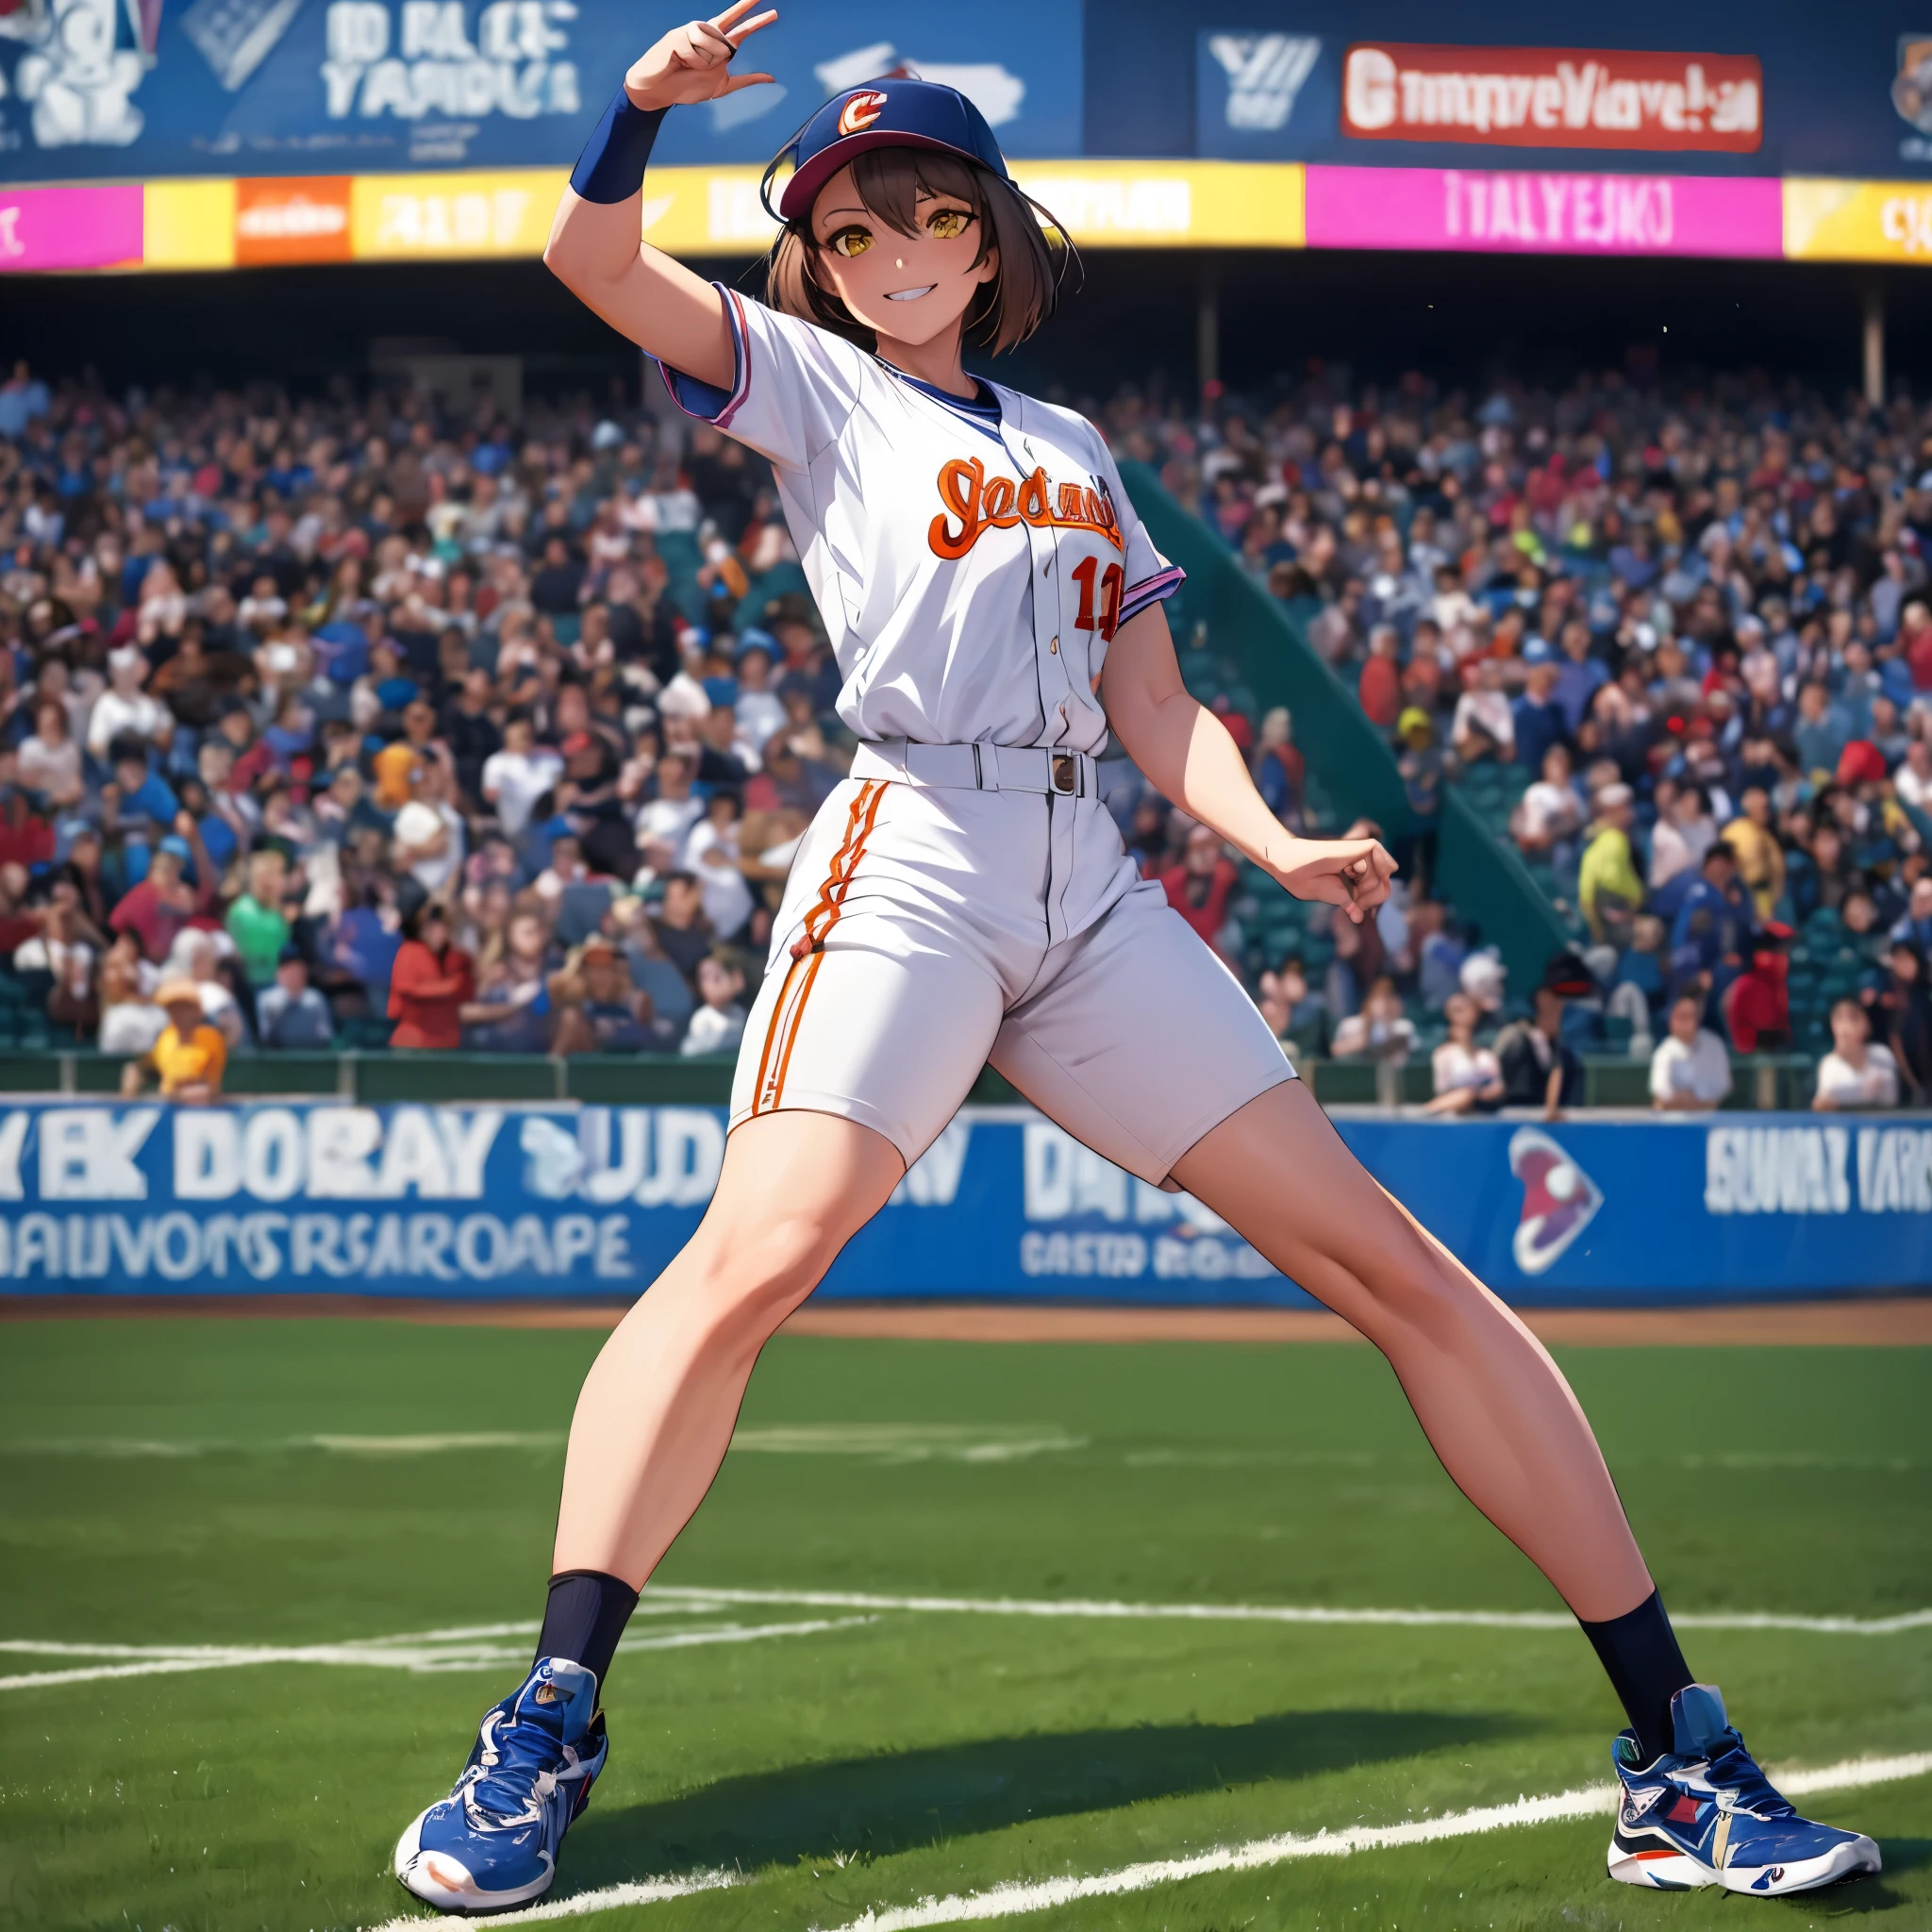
851	241
947	224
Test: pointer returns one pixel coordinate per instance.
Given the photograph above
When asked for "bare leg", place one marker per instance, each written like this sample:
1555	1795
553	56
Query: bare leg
658	1407
1493	1404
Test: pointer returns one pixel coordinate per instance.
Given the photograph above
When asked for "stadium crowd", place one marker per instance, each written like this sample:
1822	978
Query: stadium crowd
358	721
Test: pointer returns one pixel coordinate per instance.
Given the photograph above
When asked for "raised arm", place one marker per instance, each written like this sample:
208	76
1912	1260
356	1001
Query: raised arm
1185	750
595	248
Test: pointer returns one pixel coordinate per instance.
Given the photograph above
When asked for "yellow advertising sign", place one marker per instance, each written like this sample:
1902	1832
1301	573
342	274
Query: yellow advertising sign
1858	220
188	224
450	217
480	214
1104	204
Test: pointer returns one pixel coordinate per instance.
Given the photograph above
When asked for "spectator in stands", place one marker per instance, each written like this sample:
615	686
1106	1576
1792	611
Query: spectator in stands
1756	1005
1690	1071
1539	1067
1539	717
1608	886
156	908
1467	1076
1379	687
189	1055
1753	838
1855	1073
1901	1012
1380	1031
1551	810
1484	725
718	1023
1201	884
290	1015
1685	831
430	983
258	921
49	760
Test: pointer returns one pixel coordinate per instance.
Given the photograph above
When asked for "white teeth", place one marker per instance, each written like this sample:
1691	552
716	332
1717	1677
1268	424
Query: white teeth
912	294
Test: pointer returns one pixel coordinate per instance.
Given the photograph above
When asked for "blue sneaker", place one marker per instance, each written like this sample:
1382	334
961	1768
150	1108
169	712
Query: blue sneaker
493	1842
1705	1814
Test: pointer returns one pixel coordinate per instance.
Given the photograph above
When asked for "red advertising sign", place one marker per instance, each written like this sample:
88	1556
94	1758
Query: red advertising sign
1553	97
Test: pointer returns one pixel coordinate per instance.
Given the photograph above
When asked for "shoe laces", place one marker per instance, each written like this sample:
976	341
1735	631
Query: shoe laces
1732	1768
520	1766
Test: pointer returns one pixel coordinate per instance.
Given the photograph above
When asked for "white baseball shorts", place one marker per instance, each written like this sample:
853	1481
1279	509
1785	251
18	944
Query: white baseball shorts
939	925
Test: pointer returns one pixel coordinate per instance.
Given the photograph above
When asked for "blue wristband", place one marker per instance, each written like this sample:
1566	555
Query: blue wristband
611	167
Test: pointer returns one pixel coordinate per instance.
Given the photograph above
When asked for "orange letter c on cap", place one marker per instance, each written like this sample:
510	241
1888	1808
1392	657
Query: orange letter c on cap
860	112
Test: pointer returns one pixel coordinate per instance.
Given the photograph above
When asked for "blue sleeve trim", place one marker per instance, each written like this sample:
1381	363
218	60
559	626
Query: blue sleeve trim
1154	590
705	400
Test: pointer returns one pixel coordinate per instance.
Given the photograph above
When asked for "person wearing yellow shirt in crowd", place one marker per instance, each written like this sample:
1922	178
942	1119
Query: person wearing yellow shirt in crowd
1761	858
1608	871
188	1059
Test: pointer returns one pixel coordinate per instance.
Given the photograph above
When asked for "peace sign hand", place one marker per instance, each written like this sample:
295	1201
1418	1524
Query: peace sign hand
692	63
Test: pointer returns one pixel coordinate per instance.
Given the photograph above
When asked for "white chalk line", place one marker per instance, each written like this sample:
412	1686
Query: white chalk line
389	1653
1286	1613
1019	1898
467	1649
890	1442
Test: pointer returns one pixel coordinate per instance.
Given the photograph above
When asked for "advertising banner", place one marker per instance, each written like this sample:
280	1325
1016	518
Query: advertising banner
1543	213
592	1201
1858	221
93	88
1553	97
70	227
1689	86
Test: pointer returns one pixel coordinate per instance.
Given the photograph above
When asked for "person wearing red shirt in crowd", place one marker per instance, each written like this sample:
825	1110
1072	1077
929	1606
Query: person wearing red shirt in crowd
1756	1004
158	909
1381	687
429	983
1199	886
1915	642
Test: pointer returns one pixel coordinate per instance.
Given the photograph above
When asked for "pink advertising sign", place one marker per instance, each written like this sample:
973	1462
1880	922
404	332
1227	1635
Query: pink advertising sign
1545	214
70	227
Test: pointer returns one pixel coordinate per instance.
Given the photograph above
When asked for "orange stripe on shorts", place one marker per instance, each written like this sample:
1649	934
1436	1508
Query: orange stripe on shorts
782	1033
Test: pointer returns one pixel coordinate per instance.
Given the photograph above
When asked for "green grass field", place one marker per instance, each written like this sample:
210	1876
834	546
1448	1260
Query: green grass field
291	1484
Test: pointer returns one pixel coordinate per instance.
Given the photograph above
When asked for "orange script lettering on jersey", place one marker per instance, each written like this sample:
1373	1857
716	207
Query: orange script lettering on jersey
977	504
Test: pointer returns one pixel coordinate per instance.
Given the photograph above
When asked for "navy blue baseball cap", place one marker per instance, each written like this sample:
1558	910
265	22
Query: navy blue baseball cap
884	113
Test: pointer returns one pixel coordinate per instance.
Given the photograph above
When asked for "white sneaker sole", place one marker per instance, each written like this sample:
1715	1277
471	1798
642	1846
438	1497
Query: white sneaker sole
444	1882
1679	1871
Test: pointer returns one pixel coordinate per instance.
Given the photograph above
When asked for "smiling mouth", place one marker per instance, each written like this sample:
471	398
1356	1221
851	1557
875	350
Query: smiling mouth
912	294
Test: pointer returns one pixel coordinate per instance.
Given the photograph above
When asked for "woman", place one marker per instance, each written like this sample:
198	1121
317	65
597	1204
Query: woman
429	983
965	894
49	759
1468	1078
1855	1073
1381	1031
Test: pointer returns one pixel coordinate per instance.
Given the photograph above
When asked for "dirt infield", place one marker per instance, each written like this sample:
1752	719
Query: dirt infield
1889	1322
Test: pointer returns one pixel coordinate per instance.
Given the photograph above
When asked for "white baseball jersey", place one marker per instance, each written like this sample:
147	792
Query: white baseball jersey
971	572
965	893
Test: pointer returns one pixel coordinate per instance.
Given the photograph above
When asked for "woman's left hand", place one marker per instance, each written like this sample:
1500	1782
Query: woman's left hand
1353	873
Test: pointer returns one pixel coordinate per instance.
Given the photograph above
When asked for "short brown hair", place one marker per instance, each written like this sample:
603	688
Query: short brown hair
1034	252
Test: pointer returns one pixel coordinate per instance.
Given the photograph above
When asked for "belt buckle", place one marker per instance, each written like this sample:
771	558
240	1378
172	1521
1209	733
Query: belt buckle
1066	771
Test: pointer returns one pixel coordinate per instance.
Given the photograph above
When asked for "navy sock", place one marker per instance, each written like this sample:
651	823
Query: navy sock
1639	1652
585	1617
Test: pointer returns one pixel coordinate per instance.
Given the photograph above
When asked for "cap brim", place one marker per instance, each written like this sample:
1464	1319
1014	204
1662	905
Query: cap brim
796	197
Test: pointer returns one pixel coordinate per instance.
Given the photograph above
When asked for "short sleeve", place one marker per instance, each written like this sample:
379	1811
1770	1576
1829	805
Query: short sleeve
793	387
1150	576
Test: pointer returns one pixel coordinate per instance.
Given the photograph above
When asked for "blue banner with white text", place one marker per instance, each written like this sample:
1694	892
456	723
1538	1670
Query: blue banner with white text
582	1202
126	90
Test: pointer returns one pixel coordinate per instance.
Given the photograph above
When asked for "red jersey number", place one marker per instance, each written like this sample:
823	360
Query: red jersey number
1112	582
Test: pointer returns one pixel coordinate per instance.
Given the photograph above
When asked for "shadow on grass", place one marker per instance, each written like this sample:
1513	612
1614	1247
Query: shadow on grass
874	1806
1861	1897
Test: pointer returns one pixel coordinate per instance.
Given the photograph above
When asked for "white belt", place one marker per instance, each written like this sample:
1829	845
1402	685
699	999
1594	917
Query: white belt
979	766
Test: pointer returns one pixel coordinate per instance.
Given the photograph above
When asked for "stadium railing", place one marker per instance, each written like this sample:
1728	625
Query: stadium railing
1769	1081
